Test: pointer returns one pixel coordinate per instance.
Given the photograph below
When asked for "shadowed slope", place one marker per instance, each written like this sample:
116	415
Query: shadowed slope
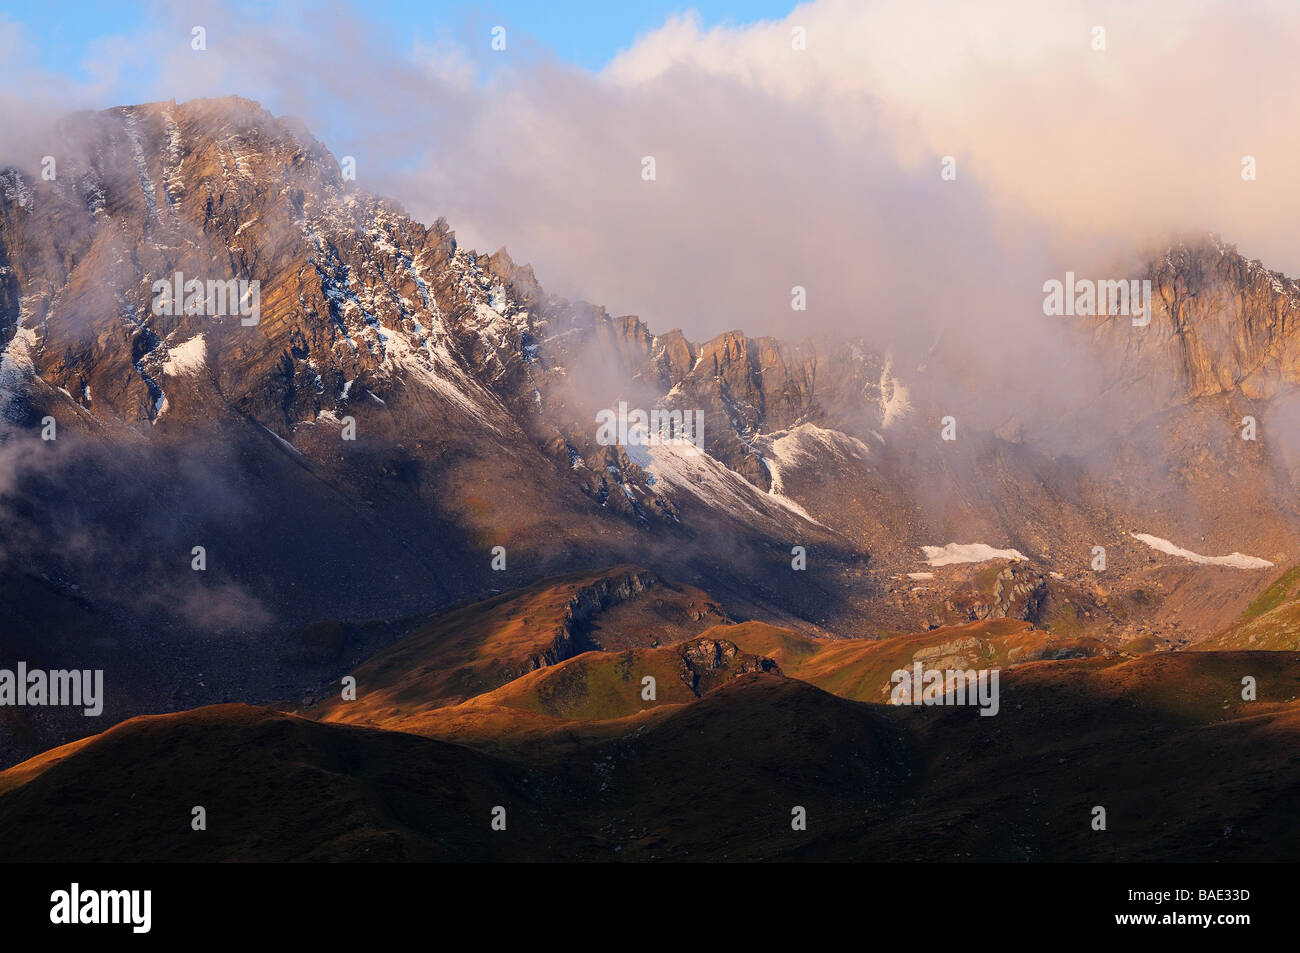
275	788
1185	769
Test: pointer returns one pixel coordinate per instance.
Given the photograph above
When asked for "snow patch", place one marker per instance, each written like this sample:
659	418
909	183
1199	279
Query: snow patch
966	553
894	399
188	358
435	369
16	363
804	444
686	468
1233	561
281	441
141	166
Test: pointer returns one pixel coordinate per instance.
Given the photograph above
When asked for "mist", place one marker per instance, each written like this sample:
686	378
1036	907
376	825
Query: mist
805	153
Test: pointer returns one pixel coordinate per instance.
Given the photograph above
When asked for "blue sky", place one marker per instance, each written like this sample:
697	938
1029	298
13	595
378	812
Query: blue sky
584	33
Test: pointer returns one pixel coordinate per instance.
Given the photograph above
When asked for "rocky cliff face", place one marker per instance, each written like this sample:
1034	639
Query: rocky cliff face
707	663
353	295
363	313
472	392
1222	324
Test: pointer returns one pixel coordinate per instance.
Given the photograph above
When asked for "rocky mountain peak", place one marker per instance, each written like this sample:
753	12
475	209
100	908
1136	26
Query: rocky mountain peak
1222	324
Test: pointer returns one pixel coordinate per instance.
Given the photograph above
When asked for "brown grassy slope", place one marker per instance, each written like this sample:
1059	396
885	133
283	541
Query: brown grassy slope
861	669
547	713
275	788
1184	768
480	647
594	695
523	651
1270	622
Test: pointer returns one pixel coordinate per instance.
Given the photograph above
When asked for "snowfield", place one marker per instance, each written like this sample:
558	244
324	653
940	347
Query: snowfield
187	358
955	553
686	468
806	444
1234	561
894	399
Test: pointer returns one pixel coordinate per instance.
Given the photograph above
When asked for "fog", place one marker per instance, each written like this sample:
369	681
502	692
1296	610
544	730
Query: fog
776	166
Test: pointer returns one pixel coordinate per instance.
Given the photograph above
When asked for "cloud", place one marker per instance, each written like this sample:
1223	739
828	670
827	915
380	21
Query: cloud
818	167
1141	137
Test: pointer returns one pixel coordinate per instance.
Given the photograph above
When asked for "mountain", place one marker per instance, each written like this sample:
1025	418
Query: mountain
177	431
381	456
